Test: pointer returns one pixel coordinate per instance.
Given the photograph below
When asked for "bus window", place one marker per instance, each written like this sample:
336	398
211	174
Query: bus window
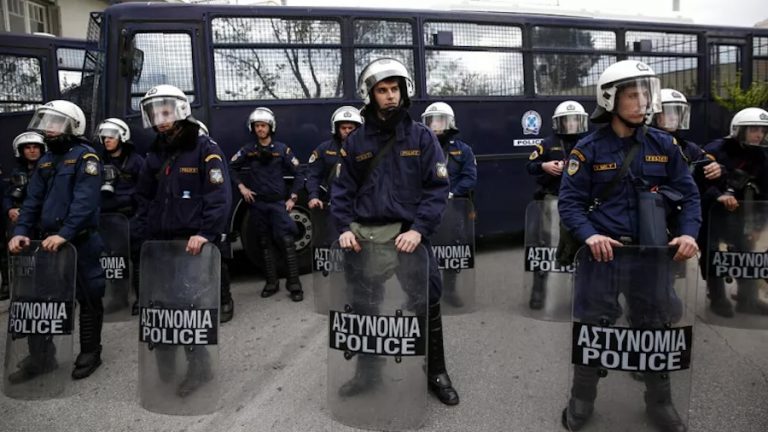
724	67
271	60
21	85
675	71
760	59
167	60
375	38
455	69
70	65
575	69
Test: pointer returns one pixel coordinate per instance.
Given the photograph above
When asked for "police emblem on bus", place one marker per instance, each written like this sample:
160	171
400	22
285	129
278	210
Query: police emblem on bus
531	122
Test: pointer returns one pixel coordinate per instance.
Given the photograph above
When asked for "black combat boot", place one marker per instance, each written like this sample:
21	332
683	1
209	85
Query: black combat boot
89	359
748	299
198	371
41	360
583	394
718	303
437	376
227	304
538	293
658	404
270	270
293	283
367	376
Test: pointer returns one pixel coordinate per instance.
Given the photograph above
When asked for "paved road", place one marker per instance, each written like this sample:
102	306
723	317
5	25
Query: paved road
511	371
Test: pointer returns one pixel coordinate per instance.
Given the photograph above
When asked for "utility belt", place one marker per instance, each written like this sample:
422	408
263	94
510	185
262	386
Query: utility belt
81	235
269	198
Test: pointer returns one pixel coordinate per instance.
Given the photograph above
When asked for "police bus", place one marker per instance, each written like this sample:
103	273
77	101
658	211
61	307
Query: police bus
34	69
502	73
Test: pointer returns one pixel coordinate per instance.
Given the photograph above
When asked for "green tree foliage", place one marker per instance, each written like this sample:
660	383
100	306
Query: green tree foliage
736	98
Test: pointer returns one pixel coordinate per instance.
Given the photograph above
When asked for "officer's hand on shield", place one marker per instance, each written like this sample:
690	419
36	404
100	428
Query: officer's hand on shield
315	203
248	195
602	247
290	202
713	171
195	244
52	243
347	240
729	201
686	247
408	241
18	243
553	168
13	214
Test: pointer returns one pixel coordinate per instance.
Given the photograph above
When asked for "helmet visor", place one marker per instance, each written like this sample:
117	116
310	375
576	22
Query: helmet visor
755	136
439	123
639	96
51	122
570	124
674	116
109	132
161	111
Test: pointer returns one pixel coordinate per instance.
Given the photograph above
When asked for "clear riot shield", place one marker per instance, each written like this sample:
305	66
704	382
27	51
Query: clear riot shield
377	338
179	370
547	293
631	341
454	247
323	236
38	350
737	265
116	261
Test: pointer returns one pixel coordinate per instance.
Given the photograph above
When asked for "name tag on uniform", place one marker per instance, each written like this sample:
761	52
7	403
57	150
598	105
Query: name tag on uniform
188	170
46	165
364	156
455	152
407	153
604	166
657	158
330	153
70	161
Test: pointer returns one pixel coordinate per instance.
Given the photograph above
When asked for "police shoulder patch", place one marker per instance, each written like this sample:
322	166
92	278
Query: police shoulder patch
534	155
236	155
294	161
92	167
313	157
578	154
573	166
215	176
441	170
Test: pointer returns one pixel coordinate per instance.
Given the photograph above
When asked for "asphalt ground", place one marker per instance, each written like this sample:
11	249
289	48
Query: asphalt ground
511	371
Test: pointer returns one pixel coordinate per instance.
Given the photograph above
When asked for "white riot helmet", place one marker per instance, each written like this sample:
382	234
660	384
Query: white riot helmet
439	117
626	73
264	115
58	116
570	118
675	111
27	138
114	128
203	128
748	120
381	69
162	104
346	113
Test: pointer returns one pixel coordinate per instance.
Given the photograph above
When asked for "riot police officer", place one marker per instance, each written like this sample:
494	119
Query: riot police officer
742	153
28	147
323	160
462	171
258	171
183	193
569	124
627	92
675	116
63	203
122	165
409	186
